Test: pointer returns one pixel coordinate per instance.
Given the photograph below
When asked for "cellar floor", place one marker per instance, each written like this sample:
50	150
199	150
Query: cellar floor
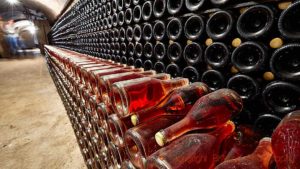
35	131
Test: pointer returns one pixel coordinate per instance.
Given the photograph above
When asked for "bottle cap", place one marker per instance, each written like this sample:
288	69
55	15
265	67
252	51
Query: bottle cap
242	10
268	76
171	42
208	42
236	42
188	42
159	138
284	5
134	120
276	43
234	70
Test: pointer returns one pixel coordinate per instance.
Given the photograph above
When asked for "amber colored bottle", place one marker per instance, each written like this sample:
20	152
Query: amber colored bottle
95	75
245	144
133	95
286	142
140	142
117	128
105	82
192	151
210	111
180	101
259	159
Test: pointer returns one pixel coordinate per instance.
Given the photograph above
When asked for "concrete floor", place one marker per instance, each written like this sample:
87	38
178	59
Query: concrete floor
35	131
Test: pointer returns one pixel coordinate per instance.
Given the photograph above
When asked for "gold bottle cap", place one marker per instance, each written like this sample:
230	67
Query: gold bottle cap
236	42
268	76
234	70
134	120
242	10
208	41
284	5
189	42
159	138
209	67
276	43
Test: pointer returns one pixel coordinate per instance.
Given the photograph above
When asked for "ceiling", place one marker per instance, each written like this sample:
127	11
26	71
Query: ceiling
48	8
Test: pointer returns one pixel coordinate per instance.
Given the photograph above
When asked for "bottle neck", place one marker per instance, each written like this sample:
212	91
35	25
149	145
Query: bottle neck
175	83
264	151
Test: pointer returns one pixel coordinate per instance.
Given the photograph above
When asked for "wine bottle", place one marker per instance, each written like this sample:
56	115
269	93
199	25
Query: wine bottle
159	8
105	82
259	159
192	5
281	97
174	28
178	102
134	95
140	141
130	49
159	67
128	16
220	25
174	52
175	7
266	124
284	64
220	2
191	73
210	111
148	50
250	57
129	34
159	29
117	128
287	24
137	33
138	63
128	3
147	31
193	53
194	27
122	34
124	60
148	65
147	10
138	50
256	22
214	79
247	87
217	55
130	61
121	18
120	4
285	141
192	151
137	13
174	70
246	142
159	51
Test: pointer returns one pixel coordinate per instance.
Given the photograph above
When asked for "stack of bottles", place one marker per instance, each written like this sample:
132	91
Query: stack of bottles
127	117
248	46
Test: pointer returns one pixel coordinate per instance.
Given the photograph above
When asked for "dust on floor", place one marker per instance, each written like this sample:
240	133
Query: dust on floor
35	131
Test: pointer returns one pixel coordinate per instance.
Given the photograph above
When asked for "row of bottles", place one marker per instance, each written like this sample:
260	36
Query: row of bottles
249	47
127	117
